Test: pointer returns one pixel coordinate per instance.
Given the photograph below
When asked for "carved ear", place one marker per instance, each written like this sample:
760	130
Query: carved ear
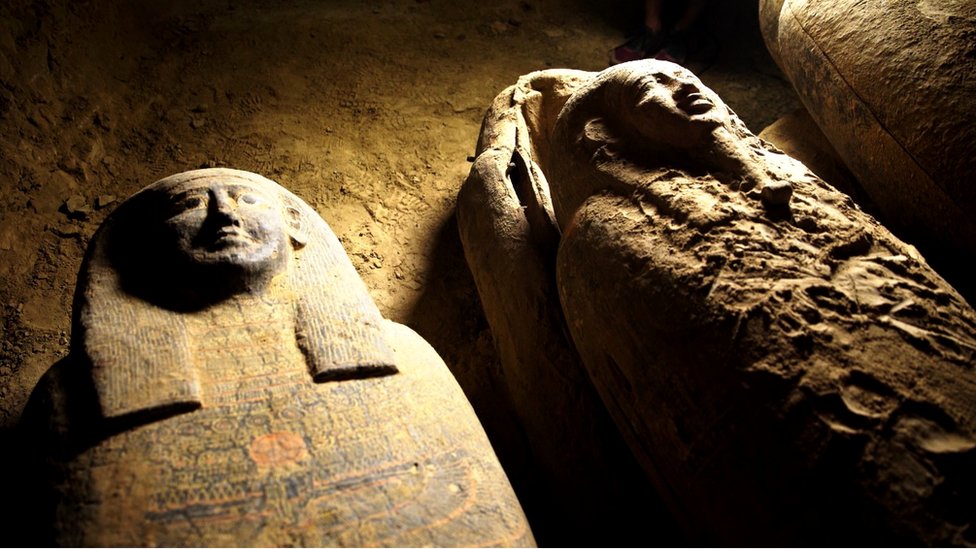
596	133
297	227
139	353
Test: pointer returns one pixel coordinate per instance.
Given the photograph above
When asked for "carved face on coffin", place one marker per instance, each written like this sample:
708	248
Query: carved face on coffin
672	106
229	223
190	242
199	240
639	120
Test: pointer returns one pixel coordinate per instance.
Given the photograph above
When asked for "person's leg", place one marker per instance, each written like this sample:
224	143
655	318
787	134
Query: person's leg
687	44
647	41
652	15
693	9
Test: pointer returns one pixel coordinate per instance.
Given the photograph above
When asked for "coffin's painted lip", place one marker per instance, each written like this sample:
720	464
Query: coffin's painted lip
694	103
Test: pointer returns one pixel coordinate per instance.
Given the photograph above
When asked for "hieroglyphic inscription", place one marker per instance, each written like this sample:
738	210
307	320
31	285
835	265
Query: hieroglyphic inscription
269	455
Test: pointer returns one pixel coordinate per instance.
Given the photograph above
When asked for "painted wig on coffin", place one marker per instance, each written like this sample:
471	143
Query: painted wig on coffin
133	292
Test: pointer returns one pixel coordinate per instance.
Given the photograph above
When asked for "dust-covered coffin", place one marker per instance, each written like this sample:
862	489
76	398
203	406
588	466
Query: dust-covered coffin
891	86
588	480
231	383
785	370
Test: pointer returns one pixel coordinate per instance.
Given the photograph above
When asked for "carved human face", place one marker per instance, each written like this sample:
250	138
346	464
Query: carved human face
673	106
231	223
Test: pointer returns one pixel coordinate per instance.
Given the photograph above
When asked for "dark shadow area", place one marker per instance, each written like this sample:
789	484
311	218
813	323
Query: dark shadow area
449	316
19	502
626	15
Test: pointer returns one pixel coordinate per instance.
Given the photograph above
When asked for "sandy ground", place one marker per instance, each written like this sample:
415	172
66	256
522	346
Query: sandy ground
369	110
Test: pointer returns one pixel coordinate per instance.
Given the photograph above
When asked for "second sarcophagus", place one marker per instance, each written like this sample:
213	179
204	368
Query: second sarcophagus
785	369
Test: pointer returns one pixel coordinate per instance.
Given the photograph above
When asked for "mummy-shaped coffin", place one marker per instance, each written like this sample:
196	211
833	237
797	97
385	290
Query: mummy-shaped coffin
587	476
890	85
231	383
785	370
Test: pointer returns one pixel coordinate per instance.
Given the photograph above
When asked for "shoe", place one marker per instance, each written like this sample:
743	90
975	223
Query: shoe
640	46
